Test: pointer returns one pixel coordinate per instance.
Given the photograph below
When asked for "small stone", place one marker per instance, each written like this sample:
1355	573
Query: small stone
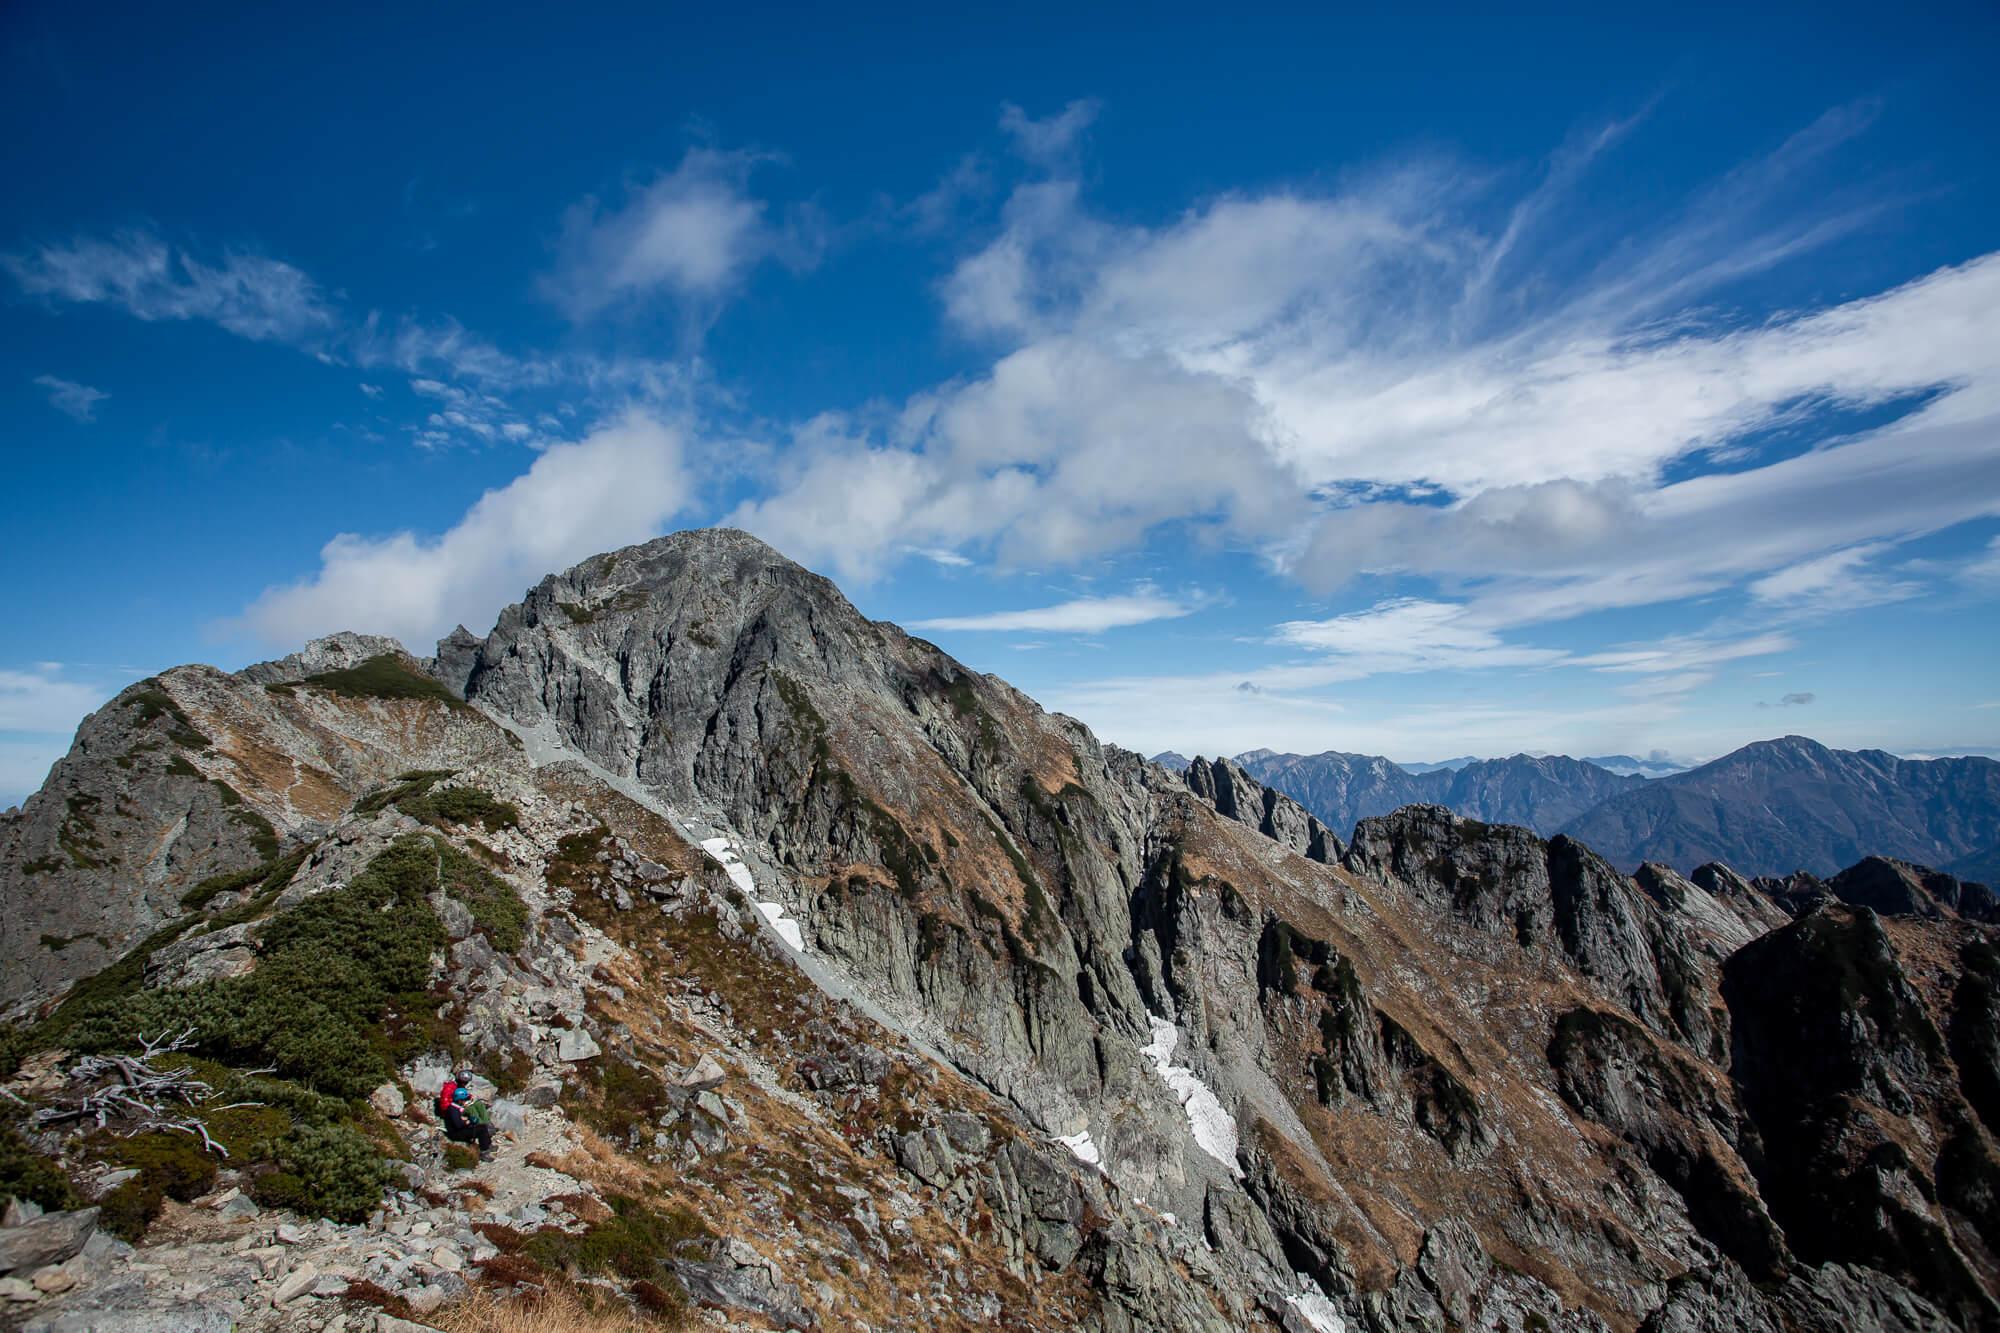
708	1073
302	1279
239	1209
21	1210
447	1258
53	1279
220	1200
289	1234
575	1044
421	1228
426	1298
388	1099
14	1289
111	1180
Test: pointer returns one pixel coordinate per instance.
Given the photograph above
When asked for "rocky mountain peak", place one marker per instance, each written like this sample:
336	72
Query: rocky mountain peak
842	983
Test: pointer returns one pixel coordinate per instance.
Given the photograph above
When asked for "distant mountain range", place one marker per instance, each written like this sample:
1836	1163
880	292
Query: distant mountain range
1770	808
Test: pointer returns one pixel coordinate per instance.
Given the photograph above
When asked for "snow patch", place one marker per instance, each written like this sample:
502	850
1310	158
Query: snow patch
1214	1128
1083	1146
1317	1309
788	930
739	874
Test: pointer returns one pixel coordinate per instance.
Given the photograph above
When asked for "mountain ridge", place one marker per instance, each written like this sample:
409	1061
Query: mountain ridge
1140	1049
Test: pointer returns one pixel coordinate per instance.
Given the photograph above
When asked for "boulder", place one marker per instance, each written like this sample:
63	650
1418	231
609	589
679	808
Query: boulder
575	1044
707	1073
45	1240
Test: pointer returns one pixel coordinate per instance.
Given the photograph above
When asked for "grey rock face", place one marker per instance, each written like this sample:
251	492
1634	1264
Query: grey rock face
1899	888
125	824
48	1239
1236	795
335	652
1507	882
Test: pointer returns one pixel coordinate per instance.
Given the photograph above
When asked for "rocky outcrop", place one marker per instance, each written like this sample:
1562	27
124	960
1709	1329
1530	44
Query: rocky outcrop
1899	888
1508	883
1238	796
1866	1134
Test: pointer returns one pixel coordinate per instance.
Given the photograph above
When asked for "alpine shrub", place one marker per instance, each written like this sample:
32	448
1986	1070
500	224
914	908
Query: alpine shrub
25	1174
330	969
325	1171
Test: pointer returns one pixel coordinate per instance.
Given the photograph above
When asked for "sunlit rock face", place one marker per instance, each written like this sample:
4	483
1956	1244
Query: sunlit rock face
890	976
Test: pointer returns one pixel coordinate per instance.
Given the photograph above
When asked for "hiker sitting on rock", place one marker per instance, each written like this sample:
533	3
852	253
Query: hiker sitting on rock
464	1122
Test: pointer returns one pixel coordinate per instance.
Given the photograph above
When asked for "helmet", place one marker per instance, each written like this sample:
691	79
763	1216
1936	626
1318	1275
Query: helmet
462	1095
465	1078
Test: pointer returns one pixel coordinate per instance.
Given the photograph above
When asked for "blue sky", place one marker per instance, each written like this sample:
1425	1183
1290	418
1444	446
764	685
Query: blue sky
1426	383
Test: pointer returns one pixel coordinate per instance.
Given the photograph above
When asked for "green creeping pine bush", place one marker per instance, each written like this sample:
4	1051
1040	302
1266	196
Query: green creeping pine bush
198	897
460	1157
170	1166
108	989
497	910
314	1007
462	805
326	1171
25	1174
384	677
414	783
15	1043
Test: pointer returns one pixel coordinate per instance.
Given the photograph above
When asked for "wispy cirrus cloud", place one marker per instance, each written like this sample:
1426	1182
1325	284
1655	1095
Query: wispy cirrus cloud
45	697
1380	378
1082	615
72	399
250	295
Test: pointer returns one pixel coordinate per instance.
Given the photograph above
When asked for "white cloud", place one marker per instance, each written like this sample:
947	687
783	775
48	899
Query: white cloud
693	233
257	298
1984	570
1052	141
620	484
1683	653
1834	583
1084	615
1062	452
39	700
24	765
70	398
1370	378
1406	634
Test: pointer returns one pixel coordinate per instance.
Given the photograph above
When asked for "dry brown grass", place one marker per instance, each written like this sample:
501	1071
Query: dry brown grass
560	1307
600	1163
